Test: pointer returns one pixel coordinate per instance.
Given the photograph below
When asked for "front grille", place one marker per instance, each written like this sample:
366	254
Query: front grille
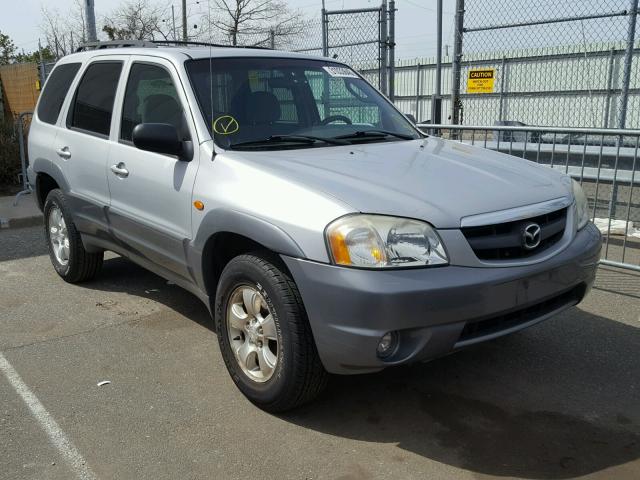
482	328
504	241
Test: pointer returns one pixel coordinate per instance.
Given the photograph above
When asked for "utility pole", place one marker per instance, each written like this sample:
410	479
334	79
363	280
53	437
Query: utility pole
185	37
456	106
436	110
90	14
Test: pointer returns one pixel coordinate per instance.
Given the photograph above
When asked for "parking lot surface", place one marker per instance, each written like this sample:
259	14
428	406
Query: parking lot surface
560	400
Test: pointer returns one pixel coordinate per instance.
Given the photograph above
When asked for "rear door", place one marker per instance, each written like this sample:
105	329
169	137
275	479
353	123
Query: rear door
43	129
150	207
82	142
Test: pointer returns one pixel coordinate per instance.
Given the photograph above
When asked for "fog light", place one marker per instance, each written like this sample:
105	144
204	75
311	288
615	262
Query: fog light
387	344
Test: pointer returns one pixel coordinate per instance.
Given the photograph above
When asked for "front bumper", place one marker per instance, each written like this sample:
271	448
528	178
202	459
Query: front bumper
435	310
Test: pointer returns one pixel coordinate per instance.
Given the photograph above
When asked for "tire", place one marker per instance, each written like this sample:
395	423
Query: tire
74	264
298	375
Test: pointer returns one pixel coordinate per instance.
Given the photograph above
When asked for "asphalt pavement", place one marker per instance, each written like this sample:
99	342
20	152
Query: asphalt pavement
560	400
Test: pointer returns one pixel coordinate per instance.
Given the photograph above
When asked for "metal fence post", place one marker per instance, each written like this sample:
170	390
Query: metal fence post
503	76
436	103
607	103
383	48
392	49
628	59
26	188
418	90
325	53
457	60
325	31
43	72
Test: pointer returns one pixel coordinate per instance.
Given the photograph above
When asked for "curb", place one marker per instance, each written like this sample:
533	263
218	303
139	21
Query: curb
7	223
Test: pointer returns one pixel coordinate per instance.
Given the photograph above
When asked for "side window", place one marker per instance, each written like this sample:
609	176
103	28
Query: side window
55	91
151	97
93	104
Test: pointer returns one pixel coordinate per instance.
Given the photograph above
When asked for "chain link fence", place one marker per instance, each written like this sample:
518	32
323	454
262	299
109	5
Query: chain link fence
554	62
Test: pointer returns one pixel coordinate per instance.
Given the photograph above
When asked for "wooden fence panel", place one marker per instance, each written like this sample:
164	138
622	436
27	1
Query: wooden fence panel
19	87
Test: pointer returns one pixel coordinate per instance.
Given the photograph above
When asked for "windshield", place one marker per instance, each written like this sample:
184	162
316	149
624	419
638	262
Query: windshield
277	103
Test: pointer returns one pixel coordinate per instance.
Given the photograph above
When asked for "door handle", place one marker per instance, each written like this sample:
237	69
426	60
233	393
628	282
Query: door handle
64	153
120	170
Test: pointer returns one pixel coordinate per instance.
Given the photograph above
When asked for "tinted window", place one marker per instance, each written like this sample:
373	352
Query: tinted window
93	104
151	97
55	91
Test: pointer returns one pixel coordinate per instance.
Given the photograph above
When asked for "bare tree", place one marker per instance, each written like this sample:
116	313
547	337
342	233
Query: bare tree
63	33
253	19
138	20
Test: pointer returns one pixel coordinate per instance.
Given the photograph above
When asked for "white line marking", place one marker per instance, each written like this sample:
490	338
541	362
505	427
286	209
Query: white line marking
48	424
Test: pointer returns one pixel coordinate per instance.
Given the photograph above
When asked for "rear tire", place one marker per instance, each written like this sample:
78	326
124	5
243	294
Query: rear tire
68	255
264	334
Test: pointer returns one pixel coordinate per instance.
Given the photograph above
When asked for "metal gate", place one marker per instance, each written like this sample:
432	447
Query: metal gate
364	38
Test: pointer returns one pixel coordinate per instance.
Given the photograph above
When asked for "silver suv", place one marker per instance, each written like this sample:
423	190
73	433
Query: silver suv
325	233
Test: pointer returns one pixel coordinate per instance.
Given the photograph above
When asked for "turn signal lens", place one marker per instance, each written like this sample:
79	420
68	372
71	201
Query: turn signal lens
198	205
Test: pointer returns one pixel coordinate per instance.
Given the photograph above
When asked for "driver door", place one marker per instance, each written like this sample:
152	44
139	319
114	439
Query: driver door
150	204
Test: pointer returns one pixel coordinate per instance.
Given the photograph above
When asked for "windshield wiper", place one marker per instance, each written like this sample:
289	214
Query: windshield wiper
374	134
275	139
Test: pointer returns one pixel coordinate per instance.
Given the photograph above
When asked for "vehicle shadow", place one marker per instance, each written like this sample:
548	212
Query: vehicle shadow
119	274
557	401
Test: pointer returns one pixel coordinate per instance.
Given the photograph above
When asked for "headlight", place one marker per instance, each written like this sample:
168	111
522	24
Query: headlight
377	241
582	205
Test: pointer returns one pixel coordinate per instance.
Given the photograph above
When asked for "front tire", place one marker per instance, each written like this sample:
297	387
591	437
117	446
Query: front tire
264	334
68	255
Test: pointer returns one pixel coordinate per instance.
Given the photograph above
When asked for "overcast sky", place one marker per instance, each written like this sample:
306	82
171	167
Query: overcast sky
415	24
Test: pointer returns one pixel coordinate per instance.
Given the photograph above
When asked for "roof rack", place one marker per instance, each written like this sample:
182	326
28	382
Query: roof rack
115	44
204	44
153	44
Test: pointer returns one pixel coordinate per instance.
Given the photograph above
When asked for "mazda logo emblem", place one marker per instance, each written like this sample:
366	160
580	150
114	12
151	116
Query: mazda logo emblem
531	236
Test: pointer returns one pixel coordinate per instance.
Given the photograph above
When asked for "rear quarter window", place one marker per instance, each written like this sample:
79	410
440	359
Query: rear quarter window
55	91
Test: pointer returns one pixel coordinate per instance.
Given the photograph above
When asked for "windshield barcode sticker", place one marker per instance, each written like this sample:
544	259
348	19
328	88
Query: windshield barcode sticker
340	72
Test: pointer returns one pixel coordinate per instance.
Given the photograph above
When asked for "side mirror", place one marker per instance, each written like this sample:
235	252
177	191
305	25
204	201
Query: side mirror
161	138
411	118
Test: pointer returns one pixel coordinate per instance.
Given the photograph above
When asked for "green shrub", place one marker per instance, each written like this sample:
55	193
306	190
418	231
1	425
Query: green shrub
9	154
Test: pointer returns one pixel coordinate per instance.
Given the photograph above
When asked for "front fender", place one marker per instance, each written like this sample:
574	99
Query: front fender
228	220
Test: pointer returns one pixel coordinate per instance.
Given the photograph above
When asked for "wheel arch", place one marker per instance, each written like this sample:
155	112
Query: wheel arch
48	177
225	234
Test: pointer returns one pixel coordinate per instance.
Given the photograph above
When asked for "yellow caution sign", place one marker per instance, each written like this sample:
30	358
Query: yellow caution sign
481	81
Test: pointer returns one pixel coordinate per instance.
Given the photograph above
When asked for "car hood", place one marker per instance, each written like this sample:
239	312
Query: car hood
430	179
